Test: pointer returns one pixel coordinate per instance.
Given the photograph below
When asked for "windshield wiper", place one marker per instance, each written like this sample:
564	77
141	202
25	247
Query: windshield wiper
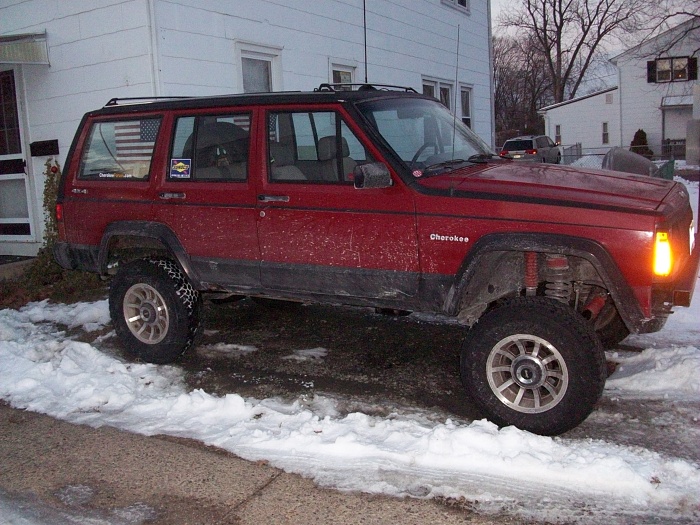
482	157
444	164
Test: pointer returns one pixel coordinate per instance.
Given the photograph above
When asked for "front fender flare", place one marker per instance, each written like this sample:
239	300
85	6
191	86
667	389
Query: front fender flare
621	293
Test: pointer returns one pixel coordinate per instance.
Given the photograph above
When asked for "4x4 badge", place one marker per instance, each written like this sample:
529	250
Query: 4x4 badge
180	168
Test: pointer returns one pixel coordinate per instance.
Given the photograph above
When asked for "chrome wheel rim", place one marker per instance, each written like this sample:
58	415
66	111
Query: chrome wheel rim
527	373
146	313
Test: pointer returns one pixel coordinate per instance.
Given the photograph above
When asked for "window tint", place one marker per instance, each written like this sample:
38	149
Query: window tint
517	145
312	146
212	147
120	149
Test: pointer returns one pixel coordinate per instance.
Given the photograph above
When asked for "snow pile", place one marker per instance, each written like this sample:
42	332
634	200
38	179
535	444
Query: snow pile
44	370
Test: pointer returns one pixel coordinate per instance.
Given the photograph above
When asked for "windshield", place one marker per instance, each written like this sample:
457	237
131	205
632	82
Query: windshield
423	132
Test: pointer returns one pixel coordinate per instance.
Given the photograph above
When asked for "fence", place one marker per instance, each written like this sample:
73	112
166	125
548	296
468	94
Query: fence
576	155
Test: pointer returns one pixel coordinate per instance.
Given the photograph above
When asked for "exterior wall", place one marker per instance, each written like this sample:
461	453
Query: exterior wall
96	50
640	101
600	108
126	48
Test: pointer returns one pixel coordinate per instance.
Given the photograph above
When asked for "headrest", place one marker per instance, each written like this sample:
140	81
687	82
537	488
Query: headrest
327	149
281	154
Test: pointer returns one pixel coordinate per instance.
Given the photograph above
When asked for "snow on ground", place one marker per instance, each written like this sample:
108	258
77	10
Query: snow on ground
506	470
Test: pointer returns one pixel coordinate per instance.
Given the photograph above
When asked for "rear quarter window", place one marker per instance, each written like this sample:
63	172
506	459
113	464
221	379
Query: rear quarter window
119	150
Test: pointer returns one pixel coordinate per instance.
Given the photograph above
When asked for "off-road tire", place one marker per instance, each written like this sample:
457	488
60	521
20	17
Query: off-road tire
538	349
155	310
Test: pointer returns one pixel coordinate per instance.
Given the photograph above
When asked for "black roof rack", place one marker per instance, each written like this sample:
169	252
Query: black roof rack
136	100
364	87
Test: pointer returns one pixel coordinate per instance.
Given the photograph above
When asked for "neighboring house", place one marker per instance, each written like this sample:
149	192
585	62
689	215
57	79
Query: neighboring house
59	60
654	93
592	120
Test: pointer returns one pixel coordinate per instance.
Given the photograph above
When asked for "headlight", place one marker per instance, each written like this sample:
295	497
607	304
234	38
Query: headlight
663	259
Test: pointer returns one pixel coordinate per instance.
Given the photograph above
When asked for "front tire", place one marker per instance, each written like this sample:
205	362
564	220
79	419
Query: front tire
534	363
154	310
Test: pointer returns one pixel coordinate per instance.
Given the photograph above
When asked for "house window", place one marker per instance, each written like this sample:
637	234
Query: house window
557	133
260	67
462	5
342	74
257	75
439	90
466	98
609	98
672	69
606	135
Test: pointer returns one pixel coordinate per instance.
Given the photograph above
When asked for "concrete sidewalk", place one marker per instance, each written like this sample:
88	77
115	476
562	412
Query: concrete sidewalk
104	471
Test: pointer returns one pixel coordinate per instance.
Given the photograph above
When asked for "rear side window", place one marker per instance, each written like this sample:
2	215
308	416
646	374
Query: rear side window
119	150
211	148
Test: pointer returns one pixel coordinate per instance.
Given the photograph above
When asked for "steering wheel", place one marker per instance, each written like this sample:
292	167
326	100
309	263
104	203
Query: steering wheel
421	150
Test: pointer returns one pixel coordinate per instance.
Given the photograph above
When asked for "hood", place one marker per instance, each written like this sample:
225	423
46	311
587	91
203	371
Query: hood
545	182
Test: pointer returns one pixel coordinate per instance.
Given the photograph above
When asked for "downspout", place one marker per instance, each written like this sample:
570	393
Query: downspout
154	50
619	101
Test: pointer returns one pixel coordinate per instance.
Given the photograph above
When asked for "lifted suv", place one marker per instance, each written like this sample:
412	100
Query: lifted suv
380	198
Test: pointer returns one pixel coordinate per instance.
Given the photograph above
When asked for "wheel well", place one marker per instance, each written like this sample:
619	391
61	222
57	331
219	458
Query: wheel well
125	241
122	249
502	274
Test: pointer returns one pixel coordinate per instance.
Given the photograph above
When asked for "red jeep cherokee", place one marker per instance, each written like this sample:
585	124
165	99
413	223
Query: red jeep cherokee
381	198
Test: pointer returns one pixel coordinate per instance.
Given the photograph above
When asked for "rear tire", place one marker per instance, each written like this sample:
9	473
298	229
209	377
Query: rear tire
534	363
155	310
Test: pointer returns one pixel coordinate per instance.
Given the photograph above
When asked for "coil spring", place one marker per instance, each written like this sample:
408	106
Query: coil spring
558	285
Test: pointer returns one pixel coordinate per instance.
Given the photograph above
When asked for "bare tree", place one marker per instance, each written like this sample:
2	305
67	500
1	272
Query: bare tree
570	34
521	86
674	14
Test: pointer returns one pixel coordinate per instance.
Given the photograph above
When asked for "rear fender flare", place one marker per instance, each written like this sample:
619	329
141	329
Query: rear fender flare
152	230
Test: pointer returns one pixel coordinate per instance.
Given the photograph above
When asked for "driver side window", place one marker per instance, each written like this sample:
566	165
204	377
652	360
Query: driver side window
315	146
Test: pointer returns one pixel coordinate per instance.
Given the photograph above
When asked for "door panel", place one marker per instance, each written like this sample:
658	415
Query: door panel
318	233
208	198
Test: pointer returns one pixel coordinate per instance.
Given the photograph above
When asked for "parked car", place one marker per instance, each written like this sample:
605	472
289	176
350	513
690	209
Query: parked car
534	148
376	198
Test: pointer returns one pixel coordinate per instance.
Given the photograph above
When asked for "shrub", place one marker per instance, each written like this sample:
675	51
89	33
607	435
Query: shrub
640	145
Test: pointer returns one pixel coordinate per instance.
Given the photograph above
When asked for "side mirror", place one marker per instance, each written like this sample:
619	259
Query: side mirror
373	175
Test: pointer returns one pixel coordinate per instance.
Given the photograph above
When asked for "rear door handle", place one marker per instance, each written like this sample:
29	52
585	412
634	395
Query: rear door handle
167	195
273	198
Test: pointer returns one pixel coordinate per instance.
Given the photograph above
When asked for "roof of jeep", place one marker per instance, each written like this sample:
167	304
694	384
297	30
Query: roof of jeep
132	105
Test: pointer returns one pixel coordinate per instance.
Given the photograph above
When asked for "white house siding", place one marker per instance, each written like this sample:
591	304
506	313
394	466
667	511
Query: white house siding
640	101
123	48
582	119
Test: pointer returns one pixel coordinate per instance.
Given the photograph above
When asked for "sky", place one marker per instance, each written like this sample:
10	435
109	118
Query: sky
44	369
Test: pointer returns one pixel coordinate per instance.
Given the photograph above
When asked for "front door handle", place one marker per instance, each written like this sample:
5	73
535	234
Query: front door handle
167	195
273	198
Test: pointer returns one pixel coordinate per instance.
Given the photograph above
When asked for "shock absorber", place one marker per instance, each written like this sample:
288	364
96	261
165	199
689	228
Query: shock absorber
558	276
531	273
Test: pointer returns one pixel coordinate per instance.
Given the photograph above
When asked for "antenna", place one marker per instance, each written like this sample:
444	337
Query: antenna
454	121
364	22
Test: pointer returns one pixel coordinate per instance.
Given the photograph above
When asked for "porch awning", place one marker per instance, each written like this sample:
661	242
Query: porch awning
27	48
676	101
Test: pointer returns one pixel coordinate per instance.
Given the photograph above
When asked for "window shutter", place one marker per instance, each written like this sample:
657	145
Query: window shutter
651	71
692	68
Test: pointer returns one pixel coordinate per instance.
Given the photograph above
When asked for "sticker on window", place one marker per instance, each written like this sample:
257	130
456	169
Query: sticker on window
180	168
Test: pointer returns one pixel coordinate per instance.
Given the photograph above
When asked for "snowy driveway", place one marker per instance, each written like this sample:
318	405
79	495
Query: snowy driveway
634	460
